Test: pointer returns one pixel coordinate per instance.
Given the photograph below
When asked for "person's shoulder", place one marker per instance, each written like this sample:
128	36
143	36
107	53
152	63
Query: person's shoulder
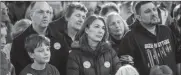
27	70
49	66
22	35
52	69
28	67
164	27
75	52
129	34
57	28
57	21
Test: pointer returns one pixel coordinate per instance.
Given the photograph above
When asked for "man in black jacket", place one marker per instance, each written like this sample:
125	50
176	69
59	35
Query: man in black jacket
148	43
41	16
65	29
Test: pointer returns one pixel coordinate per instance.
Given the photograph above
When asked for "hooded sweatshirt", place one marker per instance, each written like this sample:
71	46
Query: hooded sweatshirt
149	50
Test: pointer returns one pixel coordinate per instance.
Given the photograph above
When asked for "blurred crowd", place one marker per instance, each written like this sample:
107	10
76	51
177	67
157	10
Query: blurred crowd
90	38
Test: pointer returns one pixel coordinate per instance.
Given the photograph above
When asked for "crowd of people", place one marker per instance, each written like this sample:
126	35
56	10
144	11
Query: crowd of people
90	38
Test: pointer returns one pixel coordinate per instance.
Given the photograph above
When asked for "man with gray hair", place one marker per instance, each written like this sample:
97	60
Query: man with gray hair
40	15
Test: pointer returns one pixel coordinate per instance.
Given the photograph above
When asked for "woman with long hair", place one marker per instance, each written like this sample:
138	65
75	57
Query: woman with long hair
91	54
117	28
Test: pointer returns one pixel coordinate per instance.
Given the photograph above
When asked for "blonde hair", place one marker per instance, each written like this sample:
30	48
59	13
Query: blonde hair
126	28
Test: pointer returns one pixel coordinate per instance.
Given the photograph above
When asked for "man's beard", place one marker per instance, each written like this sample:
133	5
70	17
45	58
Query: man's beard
155	22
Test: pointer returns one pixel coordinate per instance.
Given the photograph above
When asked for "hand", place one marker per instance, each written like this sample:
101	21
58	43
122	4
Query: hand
127	59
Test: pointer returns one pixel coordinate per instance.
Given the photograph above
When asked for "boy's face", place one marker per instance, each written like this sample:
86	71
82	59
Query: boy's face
3	37
41	54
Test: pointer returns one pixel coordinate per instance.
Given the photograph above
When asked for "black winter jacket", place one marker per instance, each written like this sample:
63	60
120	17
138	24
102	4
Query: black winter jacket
149	50
58	30
59	51
85	61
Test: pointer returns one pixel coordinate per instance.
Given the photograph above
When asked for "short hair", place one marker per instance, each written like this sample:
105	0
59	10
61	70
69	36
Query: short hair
33	41
75	5
106	7
31	7
139	4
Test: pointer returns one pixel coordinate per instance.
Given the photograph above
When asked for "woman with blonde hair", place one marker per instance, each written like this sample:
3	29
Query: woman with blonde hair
117	29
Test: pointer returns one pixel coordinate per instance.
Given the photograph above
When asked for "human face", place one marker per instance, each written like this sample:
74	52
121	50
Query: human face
116	25
149	14
4	13
3	37
41	54
41	14
96	31
76	20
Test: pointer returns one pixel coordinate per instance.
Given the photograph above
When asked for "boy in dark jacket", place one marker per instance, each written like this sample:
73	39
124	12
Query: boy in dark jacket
148	43
38	48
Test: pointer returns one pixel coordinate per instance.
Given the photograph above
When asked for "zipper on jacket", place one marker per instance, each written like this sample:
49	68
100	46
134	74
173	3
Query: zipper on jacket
96	64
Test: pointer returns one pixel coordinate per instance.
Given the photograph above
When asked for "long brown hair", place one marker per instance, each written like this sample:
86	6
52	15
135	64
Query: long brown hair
81	36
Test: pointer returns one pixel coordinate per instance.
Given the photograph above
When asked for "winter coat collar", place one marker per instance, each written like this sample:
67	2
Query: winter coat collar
139	28
87	50
31	30
114	41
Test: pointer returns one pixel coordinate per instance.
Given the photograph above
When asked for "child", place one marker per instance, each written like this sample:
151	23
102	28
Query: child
6	68
38	48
